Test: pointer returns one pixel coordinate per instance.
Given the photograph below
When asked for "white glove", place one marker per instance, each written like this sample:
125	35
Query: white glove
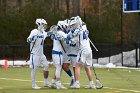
32	39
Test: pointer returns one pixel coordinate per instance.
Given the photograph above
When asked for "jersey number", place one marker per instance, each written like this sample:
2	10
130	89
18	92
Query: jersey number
42	42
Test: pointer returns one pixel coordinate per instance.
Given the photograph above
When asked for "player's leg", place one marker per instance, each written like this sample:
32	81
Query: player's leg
46	70
90	77
77	76
52	83
58	71
87	66
73	64
58	75
66	68
34	62
76	67
66	64
58	61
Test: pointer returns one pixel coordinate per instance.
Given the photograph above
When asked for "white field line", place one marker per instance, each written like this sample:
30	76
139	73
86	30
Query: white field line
135	91
18	79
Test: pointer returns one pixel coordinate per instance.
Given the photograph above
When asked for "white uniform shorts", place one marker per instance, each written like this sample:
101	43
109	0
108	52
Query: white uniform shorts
36	61
85	58
57	59
71	60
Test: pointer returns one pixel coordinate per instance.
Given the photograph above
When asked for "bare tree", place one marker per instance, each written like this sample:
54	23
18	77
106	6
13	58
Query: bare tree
4	5
76	7
20	4
68	7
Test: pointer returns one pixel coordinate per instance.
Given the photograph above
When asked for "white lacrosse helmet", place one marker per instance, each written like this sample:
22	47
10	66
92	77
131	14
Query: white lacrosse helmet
79	20
40	21
61	24
73	21
67	22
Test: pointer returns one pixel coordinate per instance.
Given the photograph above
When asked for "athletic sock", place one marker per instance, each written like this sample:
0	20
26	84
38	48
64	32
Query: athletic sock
33	76
45	81
91	82
69	73
77	81
72	77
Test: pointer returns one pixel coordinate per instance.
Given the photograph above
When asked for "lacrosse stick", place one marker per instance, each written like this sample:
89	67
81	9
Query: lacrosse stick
93	45
31	50
98	85
53	29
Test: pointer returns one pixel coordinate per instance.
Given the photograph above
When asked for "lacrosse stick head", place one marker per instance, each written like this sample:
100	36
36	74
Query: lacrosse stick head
98	85
53	29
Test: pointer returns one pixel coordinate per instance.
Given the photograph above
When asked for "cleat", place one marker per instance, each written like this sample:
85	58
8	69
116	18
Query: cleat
92	86
36	87
76	85
52	85
46	85
59	85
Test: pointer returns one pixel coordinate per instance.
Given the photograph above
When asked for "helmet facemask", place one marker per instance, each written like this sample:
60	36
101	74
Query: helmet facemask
42	24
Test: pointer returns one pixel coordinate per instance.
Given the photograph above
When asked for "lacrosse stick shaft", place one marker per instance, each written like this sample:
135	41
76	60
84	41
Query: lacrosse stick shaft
62	46
93	45
30	51
95	72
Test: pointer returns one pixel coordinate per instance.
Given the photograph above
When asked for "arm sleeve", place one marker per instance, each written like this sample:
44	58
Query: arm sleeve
45	34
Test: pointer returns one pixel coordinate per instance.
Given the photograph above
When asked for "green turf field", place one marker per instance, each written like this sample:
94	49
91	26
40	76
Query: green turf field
17	80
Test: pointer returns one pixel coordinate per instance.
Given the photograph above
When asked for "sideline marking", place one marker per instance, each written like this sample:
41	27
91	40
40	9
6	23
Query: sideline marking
136	91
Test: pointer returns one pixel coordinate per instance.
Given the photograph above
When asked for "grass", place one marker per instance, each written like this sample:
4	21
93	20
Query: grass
115	80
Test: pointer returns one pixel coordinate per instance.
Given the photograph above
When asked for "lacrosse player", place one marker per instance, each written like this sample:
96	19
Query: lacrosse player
85	53
62	29
58	53
37	57
70	52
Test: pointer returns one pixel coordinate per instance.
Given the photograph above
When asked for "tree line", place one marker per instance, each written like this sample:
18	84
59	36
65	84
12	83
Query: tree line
103	19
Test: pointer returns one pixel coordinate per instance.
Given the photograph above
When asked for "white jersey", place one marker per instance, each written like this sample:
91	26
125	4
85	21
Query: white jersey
57	45
36	47
85	54
58	51
84	41
73	47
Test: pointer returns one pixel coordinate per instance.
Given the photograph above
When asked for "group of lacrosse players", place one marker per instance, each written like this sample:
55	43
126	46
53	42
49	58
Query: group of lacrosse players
71	47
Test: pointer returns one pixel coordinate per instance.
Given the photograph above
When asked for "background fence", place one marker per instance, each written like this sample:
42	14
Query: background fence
115	32
107	51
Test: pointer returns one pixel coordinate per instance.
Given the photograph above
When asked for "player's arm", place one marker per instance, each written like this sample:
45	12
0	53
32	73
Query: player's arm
32	37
